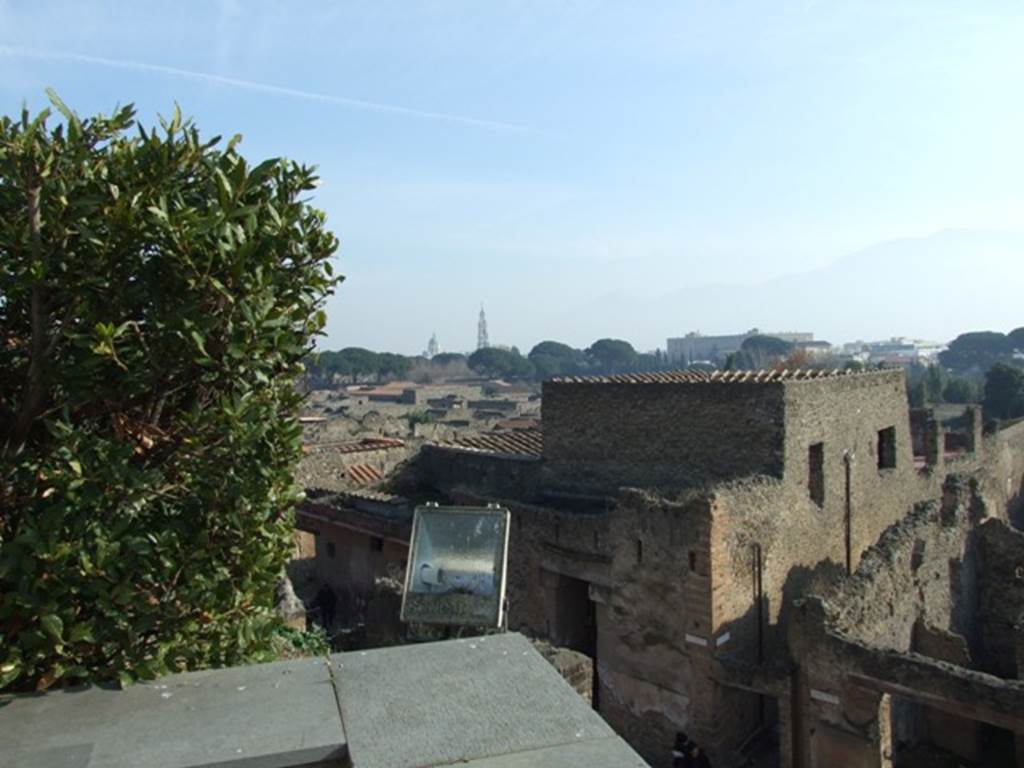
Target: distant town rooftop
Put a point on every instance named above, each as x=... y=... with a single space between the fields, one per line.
x=704 y=377
x=525 y=443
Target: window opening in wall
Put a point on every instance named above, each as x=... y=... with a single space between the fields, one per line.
x=887 y=448
x=639 y=551
x=693 y=561
x=816 y=473
x=330 y=549
x=377 y=544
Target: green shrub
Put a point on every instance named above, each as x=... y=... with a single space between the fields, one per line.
x=157 y=294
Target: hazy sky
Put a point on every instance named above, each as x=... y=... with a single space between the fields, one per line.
x=546 y=157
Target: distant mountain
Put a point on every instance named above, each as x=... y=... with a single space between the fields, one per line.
x=934 y=287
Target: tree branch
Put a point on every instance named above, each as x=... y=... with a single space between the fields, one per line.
x=34 y=393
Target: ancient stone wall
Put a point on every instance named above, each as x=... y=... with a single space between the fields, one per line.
x=599 y=437
x=498 y=477
x=350 y=561
x=326 y=467
x=654 y=648
x=576 y=668
x=1001 y=597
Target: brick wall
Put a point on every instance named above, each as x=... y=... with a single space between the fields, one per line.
x=654 y=649
x=498 y=477
x=599 y=436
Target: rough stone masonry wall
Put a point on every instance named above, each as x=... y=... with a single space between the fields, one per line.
x=654 y=653
x=799 y=541
x=599 y=437
x=324 y=467
x=576 y=668
x=499 y=477
x=847 y=414
x=1001 y=597
x=946 y=570
x=923 y=569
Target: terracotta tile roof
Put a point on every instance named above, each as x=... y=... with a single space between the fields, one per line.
x=355 y=446
x=700 y=377
x=526 y=443
x=519 y=423
x=363 y=474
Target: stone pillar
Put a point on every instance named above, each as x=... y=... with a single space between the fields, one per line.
x=934 y=442
x=871 y=712
x=975 y=425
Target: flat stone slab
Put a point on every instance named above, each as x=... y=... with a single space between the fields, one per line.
x=489 y=701
x=596 y=753
x=485 y=702
x=259 y=716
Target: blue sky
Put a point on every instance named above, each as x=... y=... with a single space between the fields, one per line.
x=549 y=158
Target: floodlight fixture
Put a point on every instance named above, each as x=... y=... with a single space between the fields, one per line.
x=458 y=558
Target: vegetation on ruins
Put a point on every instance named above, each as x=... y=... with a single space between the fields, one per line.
x=157 y=296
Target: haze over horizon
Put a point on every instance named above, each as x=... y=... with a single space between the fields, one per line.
x=588 y=169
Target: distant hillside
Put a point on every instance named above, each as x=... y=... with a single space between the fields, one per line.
x=934 y=287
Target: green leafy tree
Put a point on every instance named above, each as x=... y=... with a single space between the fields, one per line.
x=977 y=351
x=356 y=362
x=502 y=363
x=552 y=358
x=612 y=355
x=157 y=296
x=1004 y=392
x=762 y=352
x=935 y=380
x=1016 y=337
x=448 y=358
x=917 y=393
x=392 y=366
x=962 y=389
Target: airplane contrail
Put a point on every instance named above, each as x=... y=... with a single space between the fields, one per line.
x=251 y=85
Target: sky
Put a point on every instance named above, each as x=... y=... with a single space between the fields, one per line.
x=550 y=160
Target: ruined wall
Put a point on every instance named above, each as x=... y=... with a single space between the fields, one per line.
x=1001 y=471
x=326 y=467
x=576 y=668
x=654 y=648
x=846 y=415
x=923 y=568
x=599 y=437
x=498 y=477
x=1001 y=597
x=774 y=533
x=358 y=559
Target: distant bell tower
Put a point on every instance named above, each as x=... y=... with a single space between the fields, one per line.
x=481 y=330
x=433 y=347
